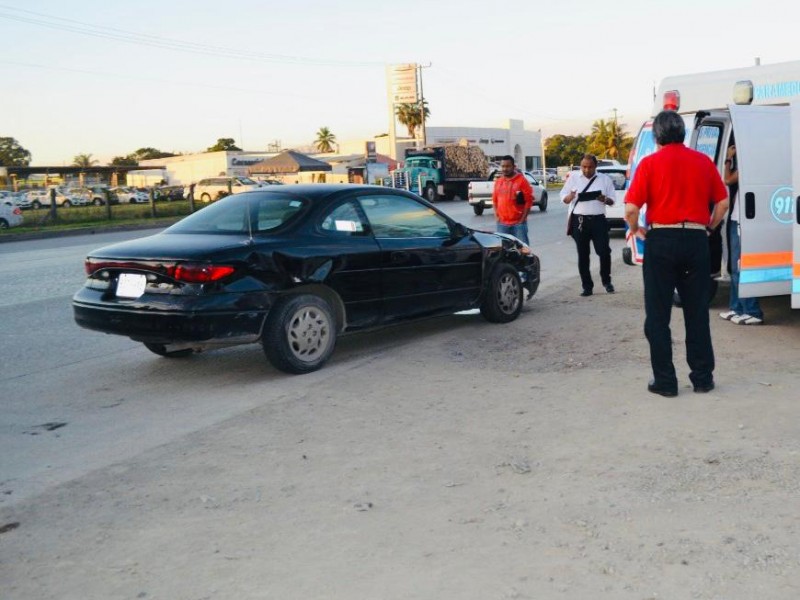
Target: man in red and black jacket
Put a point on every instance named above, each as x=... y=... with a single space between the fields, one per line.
x=677 y=184
x=512 y=198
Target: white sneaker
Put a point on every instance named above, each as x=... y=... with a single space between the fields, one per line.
x=728 y=315
x=746 y=320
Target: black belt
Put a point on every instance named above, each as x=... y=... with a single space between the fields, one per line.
x=588 y=216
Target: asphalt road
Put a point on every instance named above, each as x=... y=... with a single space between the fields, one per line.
x=75 y=400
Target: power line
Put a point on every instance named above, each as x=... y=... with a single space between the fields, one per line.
x=122 y=35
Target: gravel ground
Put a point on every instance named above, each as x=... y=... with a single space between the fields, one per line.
x=469 y=461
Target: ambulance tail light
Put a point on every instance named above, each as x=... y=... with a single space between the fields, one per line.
x=743 y=92
x=672 y=100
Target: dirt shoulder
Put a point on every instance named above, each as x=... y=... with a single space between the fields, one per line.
x=469 y=461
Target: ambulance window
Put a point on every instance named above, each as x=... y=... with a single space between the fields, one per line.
x=708 y=141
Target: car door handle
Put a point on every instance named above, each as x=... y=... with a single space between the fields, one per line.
x=399 y=256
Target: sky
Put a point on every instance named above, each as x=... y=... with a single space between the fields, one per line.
x=106 y=78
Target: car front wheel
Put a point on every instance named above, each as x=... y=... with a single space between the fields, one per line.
x=503 y=301
x=300 y=334
x=543 y=202
x=430 y=193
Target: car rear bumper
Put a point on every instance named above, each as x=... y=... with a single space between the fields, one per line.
x=211 y=320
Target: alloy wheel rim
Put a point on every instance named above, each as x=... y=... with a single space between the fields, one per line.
x=508 y=294
x=309 y=333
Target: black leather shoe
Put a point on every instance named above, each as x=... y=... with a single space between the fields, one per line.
x=610 y=288
x=586 y=293
x=704 y=388
x=654 y=389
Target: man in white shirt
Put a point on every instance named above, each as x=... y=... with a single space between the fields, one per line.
x=588 y=193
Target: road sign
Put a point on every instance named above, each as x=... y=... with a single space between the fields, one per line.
x=403 y=83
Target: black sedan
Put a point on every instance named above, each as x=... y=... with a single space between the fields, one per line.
x=294 y=267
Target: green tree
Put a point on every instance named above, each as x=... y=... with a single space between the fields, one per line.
x=123 y=161
x=149 y=154
x=609 y=140
x=12 y=154
x=224 y=144
x=565 y=150
x=410 y=116
x=325 y=140
x=83 y=160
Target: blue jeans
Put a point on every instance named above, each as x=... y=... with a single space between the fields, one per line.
x=519 y=231
x=741 y=306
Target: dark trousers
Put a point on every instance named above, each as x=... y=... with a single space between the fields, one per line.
x=677 y=259
x=594 y=229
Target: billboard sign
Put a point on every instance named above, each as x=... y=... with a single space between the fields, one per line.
x=403 y=83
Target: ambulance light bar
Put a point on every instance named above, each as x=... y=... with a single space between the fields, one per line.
x=743 y=92
x=672 y=100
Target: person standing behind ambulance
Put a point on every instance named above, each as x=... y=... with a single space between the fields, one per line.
x=742 y=311
x=586 y=220
x=677 y=184
x=512 y=197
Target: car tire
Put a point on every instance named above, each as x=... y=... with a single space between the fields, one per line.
x=477 y=209
x=161 y=350
x=543 y=202
x=97 y=202
x=627 y=256
x=205 y=197
x=3 y=224
x=66 y=204
x=299 y=334
x=503 y=301
x=36 y=204
x=132 y=201
x=430 y=193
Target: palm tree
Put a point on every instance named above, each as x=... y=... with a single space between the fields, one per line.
x=83 y=160
x=325 y=140
x=409 y=115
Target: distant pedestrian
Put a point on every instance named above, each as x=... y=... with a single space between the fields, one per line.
x=588 y=193
x=512 y=197
x=742 y=311
x=677 y=184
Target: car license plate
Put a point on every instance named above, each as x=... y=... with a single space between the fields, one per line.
x=130 y=285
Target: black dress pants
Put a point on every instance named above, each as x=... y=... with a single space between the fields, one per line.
x=677 y=259
x=594 y=229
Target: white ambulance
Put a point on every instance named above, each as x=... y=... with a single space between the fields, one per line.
x=759 y=107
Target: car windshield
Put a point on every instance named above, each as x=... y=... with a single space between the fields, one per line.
x=246 y=181
x=241 y=213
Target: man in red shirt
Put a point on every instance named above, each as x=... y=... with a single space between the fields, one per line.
x=512 y=197
x=677 y=184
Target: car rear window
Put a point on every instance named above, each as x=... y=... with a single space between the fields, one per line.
x=241 y=213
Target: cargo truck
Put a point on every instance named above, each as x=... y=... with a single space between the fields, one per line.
x=441 y=171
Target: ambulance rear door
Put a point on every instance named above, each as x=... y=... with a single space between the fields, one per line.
x=763 y=149
x=795 y=111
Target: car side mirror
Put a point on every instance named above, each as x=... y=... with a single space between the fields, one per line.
x=459 y=231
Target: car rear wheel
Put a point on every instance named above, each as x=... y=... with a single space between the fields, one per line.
x=477 y=209
x=543 y=202
x=3 y=224
x=430 y=193
x=66 y=204
x=36 y=204
x=97 y=202
x=300 y=334
x=503 y=301
x=205 y=197
x=161 y=350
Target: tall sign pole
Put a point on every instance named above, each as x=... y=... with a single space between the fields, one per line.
x=422 y=105
x=402 y=89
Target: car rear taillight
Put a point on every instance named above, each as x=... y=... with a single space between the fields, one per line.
x=200 y=273
x=17 y=211
x=186 y=272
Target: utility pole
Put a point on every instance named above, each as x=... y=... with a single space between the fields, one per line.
x=422 y=104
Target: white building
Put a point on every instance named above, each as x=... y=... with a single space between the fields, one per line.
x=191 y=168
x=514 y=140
